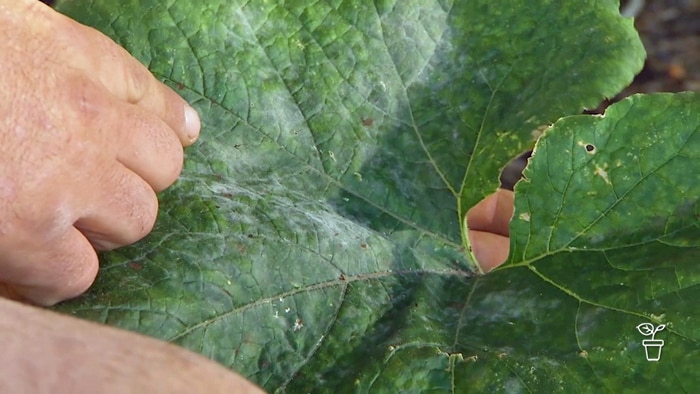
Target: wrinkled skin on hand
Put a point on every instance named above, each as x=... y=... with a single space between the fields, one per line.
x=87 y=137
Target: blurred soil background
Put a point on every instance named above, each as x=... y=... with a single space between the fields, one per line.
x=670 y=30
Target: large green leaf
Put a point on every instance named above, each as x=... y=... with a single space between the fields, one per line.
x=315 y=240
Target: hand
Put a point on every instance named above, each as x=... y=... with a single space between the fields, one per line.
x=488 y=222
x=87 y=136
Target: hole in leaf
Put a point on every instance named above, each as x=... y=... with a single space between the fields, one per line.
x=590 y=148
x=513 y=171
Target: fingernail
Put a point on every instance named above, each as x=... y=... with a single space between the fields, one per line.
x=192 y=123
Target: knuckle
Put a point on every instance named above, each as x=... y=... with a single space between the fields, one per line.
x=46 y=218
x=137 y=79
x=121 y=73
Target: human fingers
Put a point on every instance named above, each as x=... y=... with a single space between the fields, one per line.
x=109 y=204
x=490 y=250
x=146 y=145
x=47 y=271
x=123 y=210
x=83 y=150
x=123 y=76
x=131 y=81
x=139 y=155
x=488 y=229
x=493 y=213
x=121 y=133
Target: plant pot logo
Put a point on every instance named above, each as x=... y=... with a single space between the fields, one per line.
x=652 y=347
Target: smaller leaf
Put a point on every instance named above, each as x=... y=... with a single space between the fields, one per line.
x=660 y=327
x=646 y=329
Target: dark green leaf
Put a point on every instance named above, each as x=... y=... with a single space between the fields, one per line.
x=315 y=240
